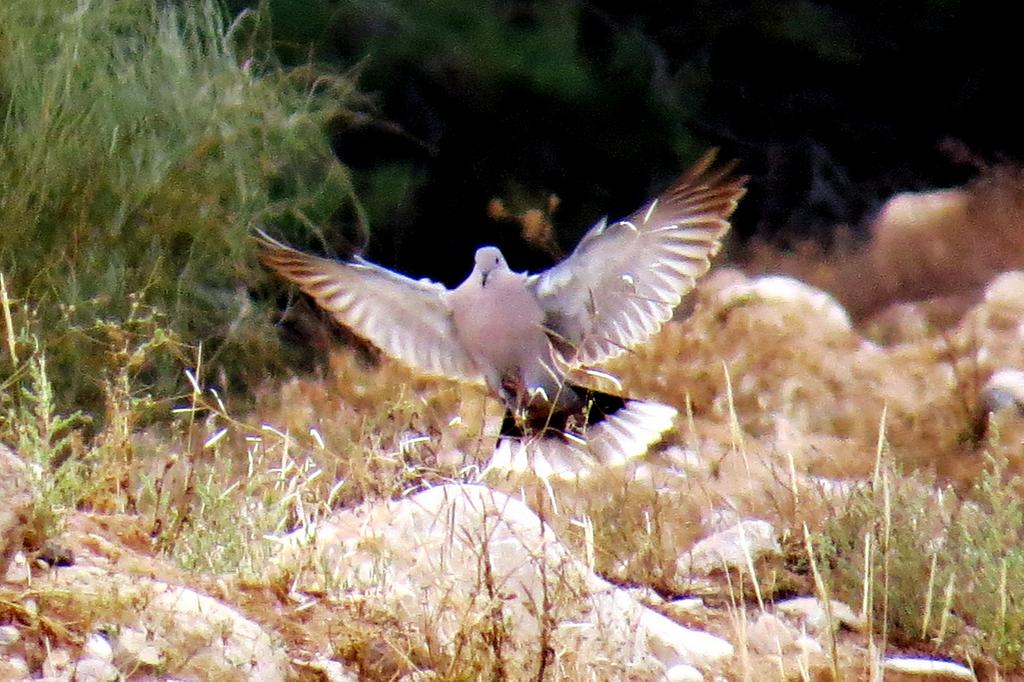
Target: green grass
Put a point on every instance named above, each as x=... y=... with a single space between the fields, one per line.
x=37 y=431
x=944 y=572
x=139 y=143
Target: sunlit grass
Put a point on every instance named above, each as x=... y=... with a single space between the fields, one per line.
x=213 y=488
x=936 y=569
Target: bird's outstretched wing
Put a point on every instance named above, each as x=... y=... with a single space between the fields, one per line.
x=623 y=280
x=409 y=320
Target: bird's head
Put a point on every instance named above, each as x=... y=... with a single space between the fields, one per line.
x=489 y=259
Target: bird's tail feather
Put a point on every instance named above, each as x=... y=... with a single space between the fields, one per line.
x=609 y=431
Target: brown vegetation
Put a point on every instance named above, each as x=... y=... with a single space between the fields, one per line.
x=940 y=247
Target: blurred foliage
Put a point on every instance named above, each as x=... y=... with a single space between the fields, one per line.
x=140 y=143
x=514 y=100
x=830 y=107
x=484 y=45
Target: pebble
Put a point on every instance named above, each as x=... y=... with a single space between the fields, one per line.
x=97 y=646
x=683 y=673
x=95 y=670
x=928 y=667
x=9 y=634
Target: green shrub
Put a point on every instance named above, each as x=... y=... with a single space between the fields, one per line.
x=138 y=147
x=945 y=572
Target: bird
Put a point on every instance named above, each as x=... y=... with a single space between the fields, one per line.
x=533 y=339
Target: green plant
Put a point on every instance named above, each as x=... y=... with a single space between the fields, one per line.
x=934 y=569
x=76 y=463
x=30 y=421
x=138 y=145
x=45 y=438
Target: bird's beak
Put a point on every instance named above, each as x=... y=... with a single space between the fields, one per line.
x=483 y=278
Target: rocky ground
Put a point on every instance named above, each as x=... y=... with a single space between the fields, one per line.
x=809 y=518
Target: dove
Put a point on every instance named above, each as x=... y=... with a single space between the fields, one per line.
x=531 y=339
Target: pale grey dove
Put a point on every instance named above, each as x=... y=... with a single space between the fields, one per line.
x=523 y=335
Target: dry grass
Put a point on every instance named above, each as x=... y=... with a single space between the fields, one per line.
x=205 y=490
x=866 y=458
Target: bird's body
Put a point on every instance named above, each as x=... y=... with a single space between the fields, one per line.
x=523 y=335
x=508 y=369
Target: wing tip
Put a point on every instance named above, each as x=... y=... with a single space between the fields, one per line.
x=277 y=255
x=623 y=436
x=714 y=182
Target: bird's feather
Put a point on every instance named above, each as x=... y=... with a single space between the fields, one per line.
x=410 y=320
x=624 y=279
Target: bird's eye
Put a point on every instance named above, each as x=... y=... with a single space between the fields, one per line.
x=495 y=261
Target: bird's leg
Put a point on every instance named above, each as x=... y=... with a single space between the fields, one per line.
x=576 y=423
x=511 y=393
x=509 y=389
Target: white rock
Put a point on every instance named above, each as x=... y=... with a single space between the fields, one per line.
x=1003 y=390
x=452 y=458
x=56 y=664
x=18 y=570
x=686 y=607
x=831 y=488
x=641 y=472
x=231 y=640
x=95 y=670
x=14 y=667
x=644 y=595
x=9 y=634
x=811 y=612
x=789 y=291
x=130 y=640
x=429 y=559
x=221 y=643
x=136 y=647
x=674 y=644
x=150 y=655
x=807 y=645
x=683 y=673
x=1004 y=300
x=927 y=667
x=97 y=646
x=770 y=635
x=720 y=520
x=332 y=671
x=730 y=549
x=683 y=459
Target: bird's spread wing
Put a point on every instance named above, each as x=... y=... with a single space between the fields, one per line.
x=408 y=319
x=623 y=280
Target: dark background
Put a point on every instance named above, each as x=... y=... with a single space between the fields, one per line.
x=829 y=107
